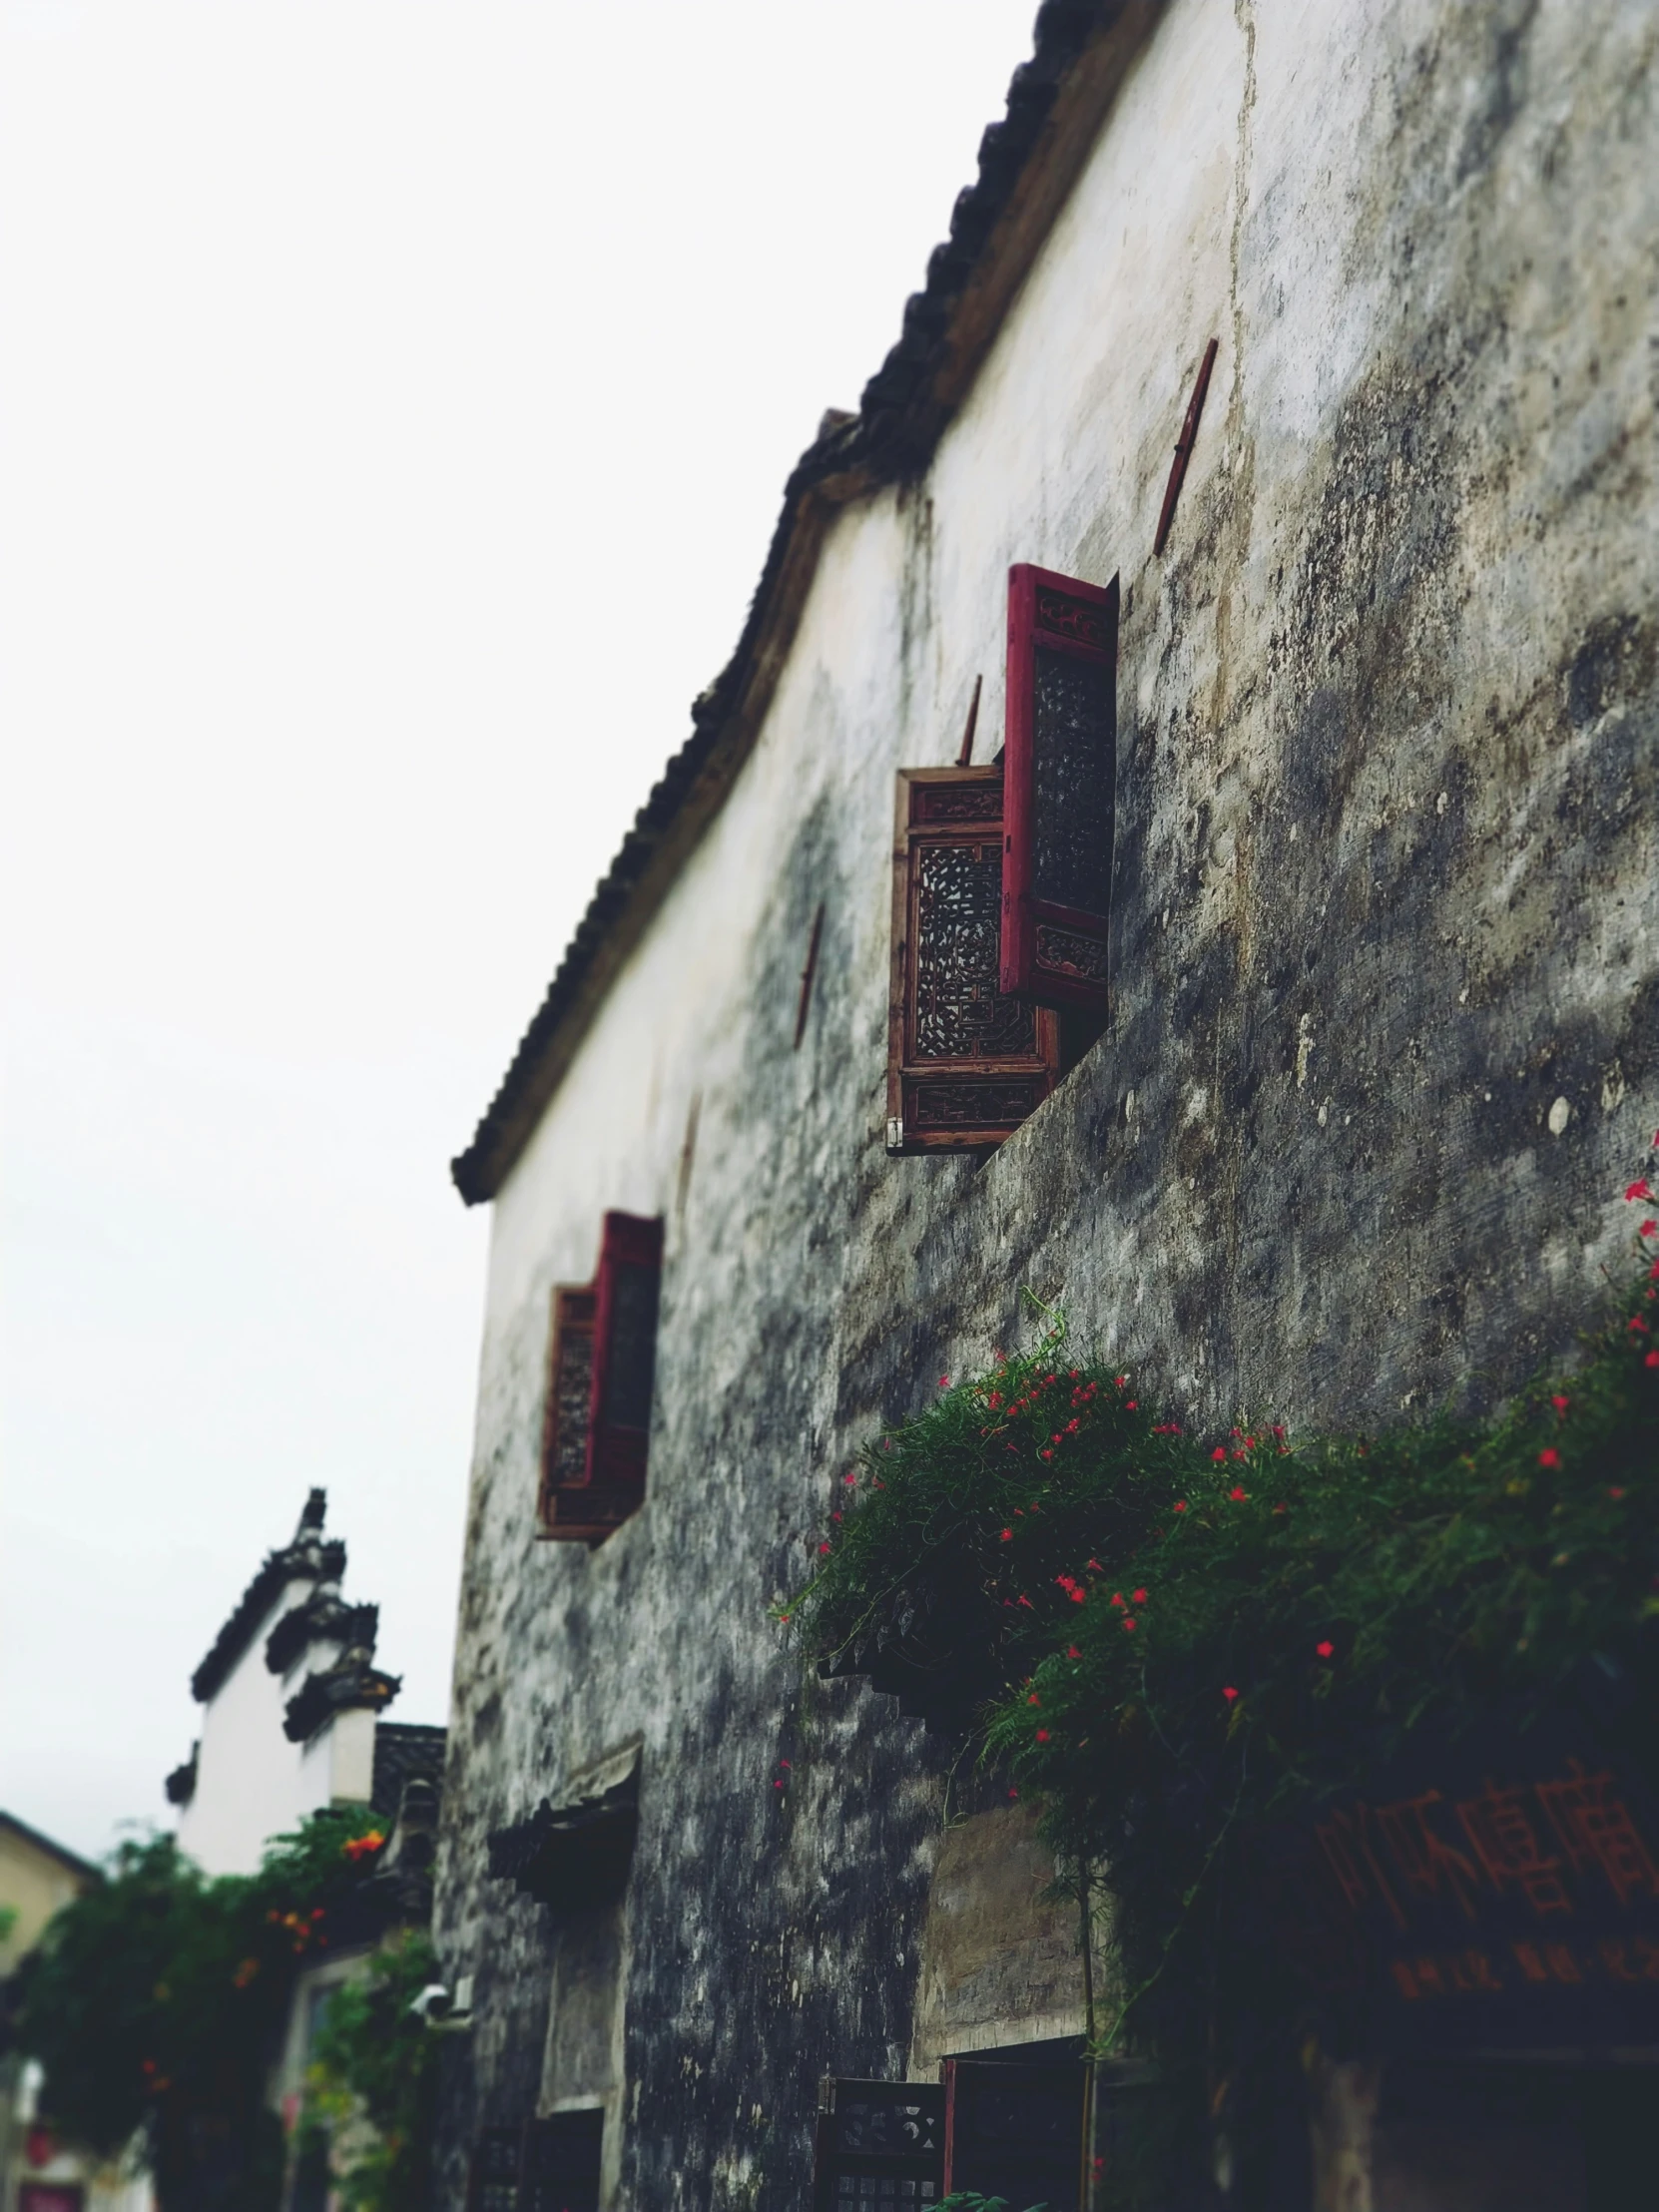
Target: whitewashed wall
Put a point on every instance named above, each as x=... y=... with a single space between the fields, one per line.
x=1385 y=982
x=253 y=1784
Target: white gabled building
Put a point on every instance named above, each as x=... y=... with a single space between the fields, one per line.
x=291 y=1699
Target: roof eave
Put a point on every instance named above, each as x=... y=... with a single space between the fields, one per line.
x=1028 y=162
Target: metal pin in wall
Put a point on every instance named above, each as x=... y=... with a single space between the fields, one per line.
x=964 y=758
x=806 y=974
x=1183 y=446
x=688 y=1153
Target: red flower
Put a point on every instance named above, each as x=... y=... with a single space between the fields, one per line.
x=777 y=1785
x=1180 y=1506
x=834 y=1516
x=1140 y=1597
x=1237 y=1493
x=1033 y=1699
x=1281 y=1507
x=1117 y=1597
x=1042 y=1735
x=1550 y=1459
x=1647 y=1229
x=1229 y=1693
x=1014 y=1793
x=822 y=1549
x=1615 y=1490
x=1326 y=1649
x=944 y=1381
x=1026 y=1602
x=1220 y=1453
x=1047 y=1454
x=1077 y=1594
x=1072 y=1652
x=1131 y=1406
x=1095 y=1564
x=1560 y=1405
x=1639 y=1189
x=852 y=1478
x=1652 y=1360
x=1279 y=1432
x=1007 y=1536
x=1129 y=1628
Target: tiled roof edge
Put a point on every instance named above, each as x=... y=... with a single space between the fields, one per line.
x=1028 y=162
x=309 y=1555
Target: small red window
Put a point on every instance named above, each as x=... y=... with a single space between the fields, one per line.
x=1060 y=762
x=601 y=1369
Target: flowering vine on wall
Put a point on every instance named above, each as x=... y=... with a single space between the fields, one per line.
x=1166 y=1638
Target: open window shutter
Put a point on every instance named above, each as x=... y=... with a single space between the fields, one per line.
x=880 y=2144
x=600 y=1374
x=1060 y=760
x=965 y=1063
x=1016 y=2131
x=624 y=1350
x=562 y=2163
x=564 y=1455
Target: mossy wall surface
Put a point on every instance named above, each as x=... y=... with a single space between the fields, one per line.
x=1385 y=958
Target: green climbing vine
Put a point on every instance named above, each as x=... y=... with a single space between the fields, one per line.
x=157 y=1998
x=1177 y=1636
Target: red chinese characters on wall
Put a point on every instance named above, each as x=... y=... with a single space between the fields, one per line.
x=1505 y=1889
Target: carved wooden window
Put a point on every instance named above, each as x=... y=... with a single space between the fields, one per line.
x=564 y=1457
x=881 y=2145
x=1060 y=760
x=966 y=1062
x=1015 y=2132
x=601 y=1367
x=562 y=2163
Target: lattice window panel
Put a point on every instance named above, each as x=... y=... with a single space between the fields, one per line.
x=966 y=1061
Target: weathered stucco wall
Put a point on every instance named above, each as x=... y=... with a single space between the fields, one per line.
x=1384 y=1038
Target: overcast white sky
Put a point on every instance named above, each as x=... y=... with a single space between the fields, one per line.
x=395 y=401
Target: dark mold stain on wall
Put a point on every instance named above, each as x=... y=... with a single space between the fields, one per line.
x=1385 y=904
